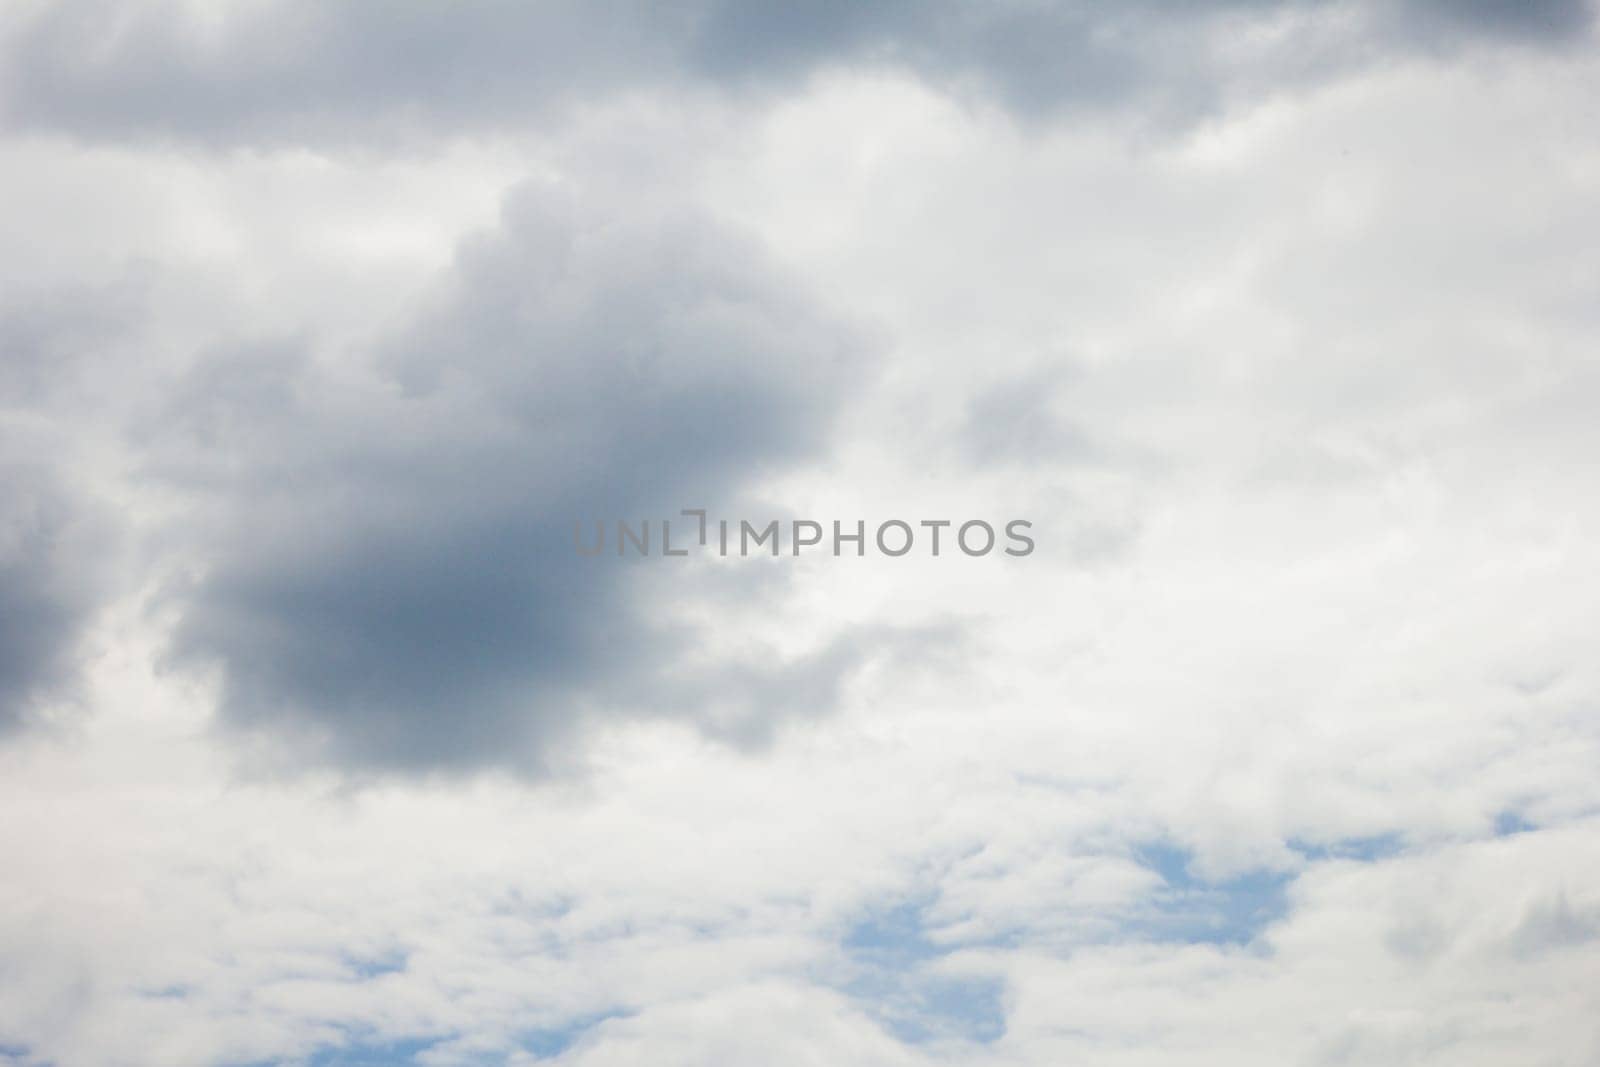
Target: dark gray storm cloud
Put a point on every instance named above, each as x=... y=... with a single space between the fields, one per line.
x=1549 y=20
x=384 y=569
x=52 y=548
x=304 y=70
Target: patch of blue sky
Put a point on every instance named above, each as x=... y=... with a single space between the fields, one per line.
x=894 y=936
x=549 y=1042
x=365 y=967
x=373 y=1054
x=1368 y=849
x=542 y=1043
x=894 y=980
x=1509 y=823
x=358 y=1052
x=1195 y=910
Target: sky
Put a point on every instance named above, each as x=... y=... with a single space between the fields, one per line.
x=325 y=328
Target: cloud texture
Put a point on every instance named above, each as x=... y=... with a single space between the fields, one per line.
x=323 y=324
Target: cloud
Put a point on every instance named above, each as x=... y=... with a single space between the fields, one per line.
x=1535 y=20
x=57 y=540
x=294 y=71
x=50 y=334
x=388 y=575
x=1015 y=421
x=1303 y=770
x=798 y=1025
x=52 y=547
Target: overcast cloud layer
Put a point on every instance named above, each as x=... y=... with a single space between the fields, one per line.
x=291 y=70
x=322 y=324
